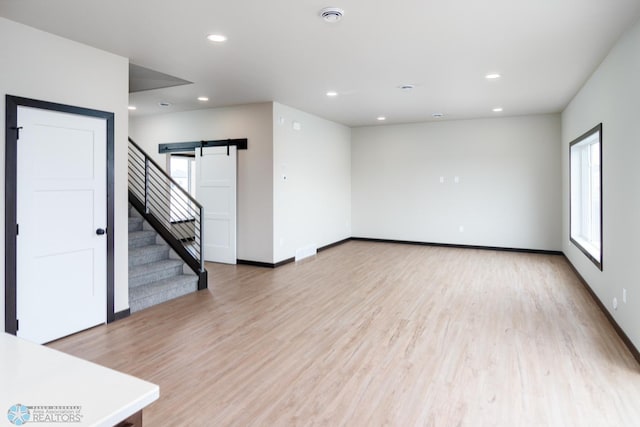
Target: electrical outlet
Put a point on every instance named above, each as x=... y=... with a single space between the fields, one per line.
x=442 y=180
x=624 y=295
x=461 y=228
x=615 y=303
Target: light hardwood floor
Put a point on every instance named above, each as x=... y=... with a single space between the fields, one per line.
x=370 y=334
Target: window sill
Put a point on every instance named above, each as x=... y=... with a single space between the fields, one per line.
x=592 y=252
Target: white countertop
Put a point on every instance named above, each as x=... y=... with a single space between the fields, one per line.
x=34 y=375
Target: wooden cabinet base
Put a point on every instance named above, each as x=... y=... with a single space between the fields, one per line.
x=134 y=420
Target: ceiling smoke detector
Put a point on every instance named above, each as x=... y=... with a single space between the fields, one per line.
x=332 y=14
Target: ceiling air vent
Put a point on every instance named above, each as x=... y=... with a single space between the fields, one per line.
x=332 y=14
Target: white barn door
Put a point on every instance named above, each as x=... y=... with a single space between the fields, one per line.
x=216 y=190
x=61 y=269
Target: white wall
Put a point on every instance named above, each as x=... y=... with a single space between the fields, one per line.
x=42 y=66
x=611 y=97
x=255 y=165
x=312 y=206
x=508 y=193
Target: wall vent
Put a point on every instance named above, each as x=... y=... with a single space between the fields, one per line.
x=306 y=251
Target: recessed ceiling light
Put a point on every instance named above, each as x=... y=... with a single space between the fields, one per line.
x=203 y=98
x=218 y=38
x=381 y=118
x=332 y=93
x=164 y=104
x=438 y=115
x=497 y=110
x=492 y=76
x=332 y=14
x=132 y=107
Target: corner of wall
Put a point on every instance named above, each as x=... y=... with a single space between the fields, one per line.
x=311 y=182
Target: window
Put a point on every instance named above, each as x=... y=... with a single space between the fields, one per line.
x=586 y=194
x=183 y=171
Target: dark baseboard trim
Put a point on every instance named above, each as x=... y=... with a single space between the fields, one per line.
x=288 y=260
x=284 y=262
x=623 y=336
x=255 y=263
x=263 y=264
x=452 y=245
x=122 y=314
x=405 y=242
x=334 y=244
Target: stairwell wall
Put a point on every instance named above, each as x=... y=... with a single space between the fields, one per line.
x=255 y=165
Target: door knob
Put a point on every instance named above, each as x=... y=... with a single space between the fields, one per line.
x=100 y=231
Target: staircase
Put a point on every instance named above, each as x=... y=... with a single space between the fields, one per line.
x=156 y=274
x=165 y=235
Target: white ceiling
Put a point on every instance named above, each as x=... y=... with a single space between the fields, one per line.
x=280 y=50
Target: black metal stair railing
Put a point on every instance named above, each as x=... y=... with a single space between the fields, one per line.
x=168 y=208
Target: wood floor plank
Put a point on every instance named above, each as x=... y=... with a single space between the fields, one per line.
x=379 y=334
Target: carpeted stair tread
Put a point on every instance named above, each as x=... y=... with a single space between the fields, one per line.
x=146 y=254
x=153 y=271
x=154 y=277
x=141 y=238
x=135 y=224
x=160 y=291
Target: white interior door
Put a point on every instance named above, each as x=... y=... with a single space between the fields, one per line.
x=61 y=269
x=216 y=190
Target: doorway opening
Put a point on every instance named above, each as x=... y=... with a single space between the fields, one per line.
x=182 y=168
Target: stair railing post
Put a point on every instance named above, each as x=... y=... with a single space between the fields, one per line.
x=201 y=241
x=147 y=184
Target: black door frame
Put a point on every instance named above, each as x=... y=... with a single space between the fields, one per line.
x=10 y=199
